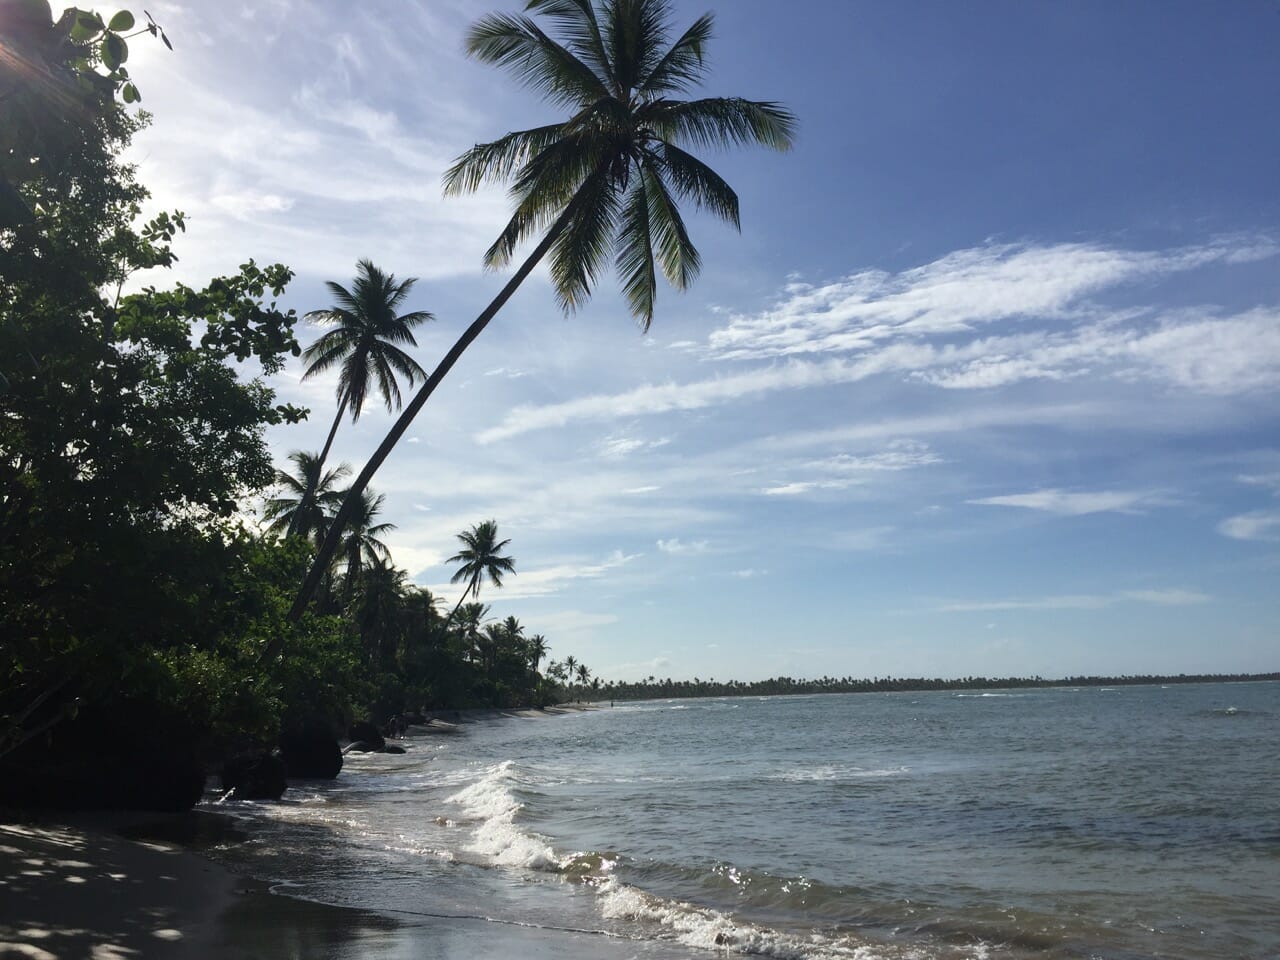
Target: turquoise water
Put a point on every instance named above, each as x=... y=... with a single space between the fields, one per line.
x=1111 y=823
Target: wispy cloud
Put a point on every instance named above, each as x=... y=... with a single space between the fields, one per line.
x=1083 y=601
x=955 y=294
x=1076 y=504
x=679 y=547
x=923 y=325
x=1258 y=525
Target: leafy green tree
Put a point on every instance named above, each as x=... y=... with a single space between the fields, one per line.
x=480 y=558
x=131 y=431
x=605 y=182
x=54 y=91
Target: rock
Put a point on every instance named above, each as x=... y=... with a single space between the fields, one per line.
x=392 y=748
x=254 y=776
x=311 y=753
x=365 y=732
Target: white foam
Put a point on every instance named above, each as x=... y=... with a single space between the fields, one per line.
x=497 y=837
x=708 y=929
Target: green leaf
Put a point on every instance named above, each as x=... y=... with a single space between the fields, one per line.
x=121 y=21
x=114 y=51
x=85 y=27
x=130 y=93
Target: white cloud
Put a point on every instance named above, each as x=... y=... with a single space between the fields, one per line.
x=1084 y=601
x=617 y=447
x=1258 y=525
x=1168 y=598
x=954 y=294
x=1076 y=504
x=246 y=204
x=1270 y=481
x=748 y=574
x=678 y=547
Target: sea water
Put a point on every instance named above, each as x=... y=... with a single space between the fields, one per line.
x=1113 y=823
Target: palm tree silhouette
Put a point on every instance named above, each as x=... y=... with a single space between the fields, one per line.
x=361 y=544
x=481 y=557
x=287 y=513
x=604 y=181
x=362 y=343
x=538 y=648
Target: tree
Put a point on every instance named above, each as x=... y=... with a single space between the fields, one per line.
x=481 y=557
x=360 y=544
x=604 y=181
x=362 y=345
x=538 y=648
x=131 y=430
x=286 y=510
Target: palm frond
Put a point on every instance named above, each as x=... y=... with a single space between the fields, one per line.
x=635 y=254
x=693 y=179
x=578 y=22
x=579 y=253
x=498 y=161
x=518 y=44
x=721 y=122
x=683 y=65
x=677 y=255
x=545 y=186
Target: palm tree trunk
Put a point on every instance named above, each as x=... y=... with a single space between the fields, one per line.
x=308 y=495
x=406 y=417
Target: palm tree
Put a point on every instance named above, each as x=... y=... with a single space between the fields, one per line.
x=606 y=179
x=286 y=511
x=361 y=544
x=481 y=557
x=538 y=648
x=362 y=343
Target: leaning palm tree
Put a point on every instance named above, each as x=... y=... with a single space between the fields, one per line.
x=362 y=343
x=292 y=511
x=481 y=557
x=605 y=181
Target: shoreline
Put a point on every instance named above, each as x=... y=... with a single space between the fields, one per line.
x=140 y=884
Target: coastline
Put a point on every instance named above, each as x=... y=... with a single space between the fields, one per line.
x=137 y=884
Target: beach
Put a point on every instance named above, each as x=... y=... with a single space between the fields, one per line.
x=1002 y=825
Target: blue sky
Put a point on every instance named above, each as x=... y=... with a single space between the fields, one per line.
x=986 y=385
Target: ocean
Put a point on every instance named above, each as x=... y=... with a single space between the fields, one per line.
x=1114 y=823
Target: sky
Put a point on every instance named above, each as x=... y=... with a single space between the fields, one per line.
x=986 y=384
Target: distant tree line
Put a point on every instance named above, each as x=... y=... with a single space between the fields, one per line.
x=651 y=688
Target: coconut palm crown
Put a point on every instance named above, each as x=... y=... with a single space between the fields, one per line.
x=480 y=557
x=308 y=498
x=363 y=340
x=618 y=165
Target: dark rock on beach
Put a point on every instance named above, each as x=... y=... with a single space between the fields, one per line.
x=254 y=776
x=311 y=753
x=365 y=733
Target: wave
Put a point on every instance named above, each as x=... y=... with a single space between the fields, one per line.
x=492 y=802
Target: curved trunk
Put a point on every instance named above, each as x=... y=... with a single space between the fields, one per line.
x=350 y=503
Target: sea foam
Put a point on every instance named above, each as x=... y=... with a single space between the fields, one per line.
x=492 y=802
